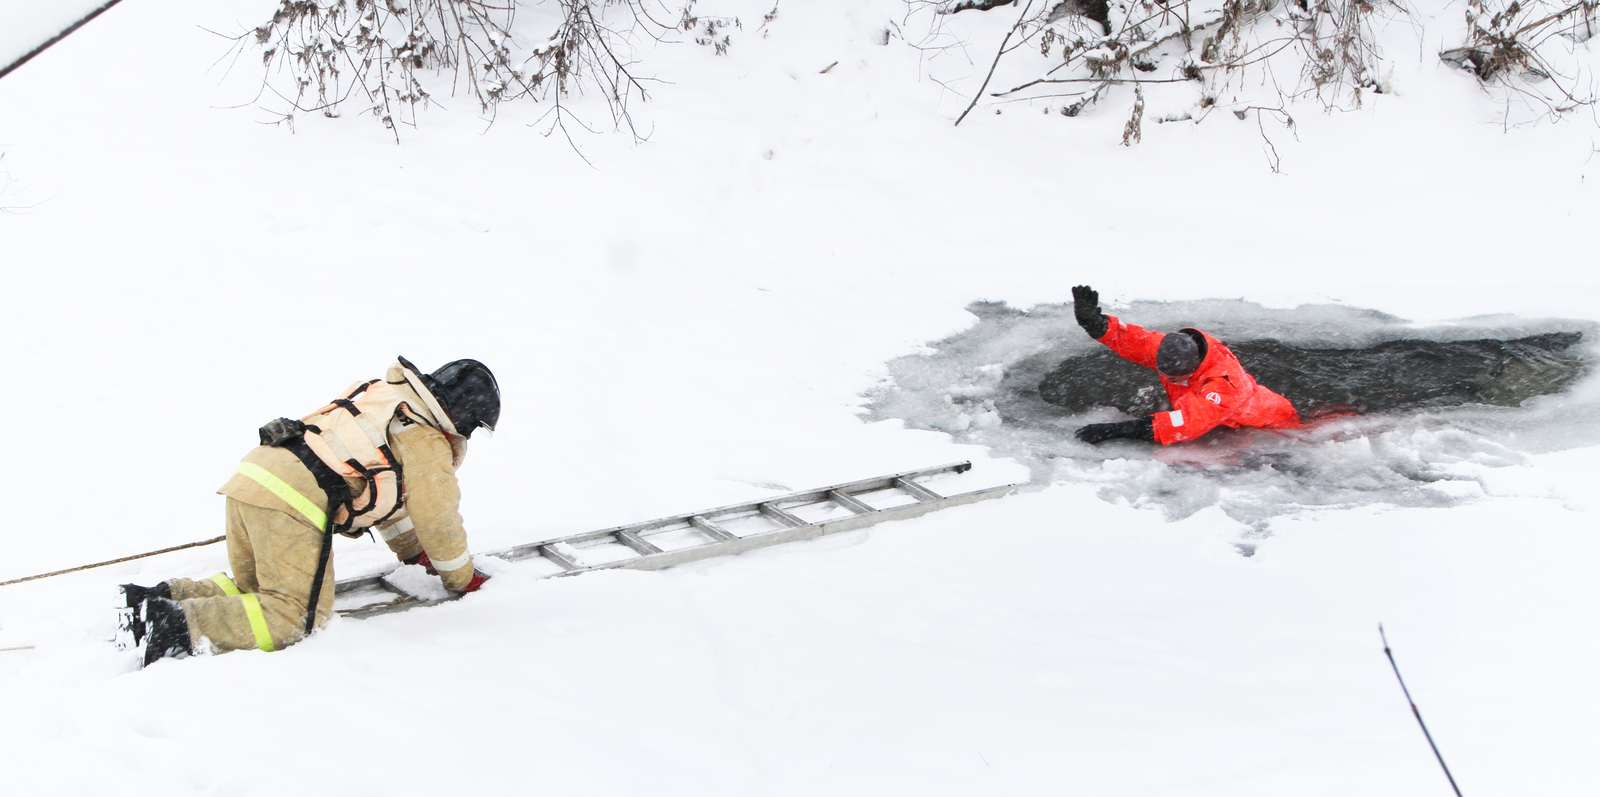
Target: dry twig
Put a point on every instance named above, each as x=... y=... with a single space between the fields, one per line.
x=388 y=57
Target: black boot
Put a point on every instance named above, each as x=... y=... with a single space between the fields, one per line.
x=131 y=620
x=166 y=631
x=134 y=594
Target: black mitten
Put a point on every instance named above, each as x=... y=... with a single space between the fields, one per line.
x=1086 y=307
x=1097 y=433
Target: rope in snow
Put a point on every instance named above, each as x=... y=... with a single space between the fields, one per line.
x=114 y=561
x=1415 y=712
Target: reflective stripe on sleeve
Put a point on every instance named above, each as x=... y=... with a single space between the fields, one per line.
x=447 y=565
x=1176 y=416
x=228 y=587
x=290 y=495
x=258 y=622
x=396 y=528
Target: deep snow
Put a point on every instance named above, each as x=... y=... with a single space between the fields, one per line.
x=694 y=321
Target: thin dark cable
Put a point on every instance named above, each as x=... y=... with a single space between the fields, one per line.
x=58 y=37
x=1415 y=712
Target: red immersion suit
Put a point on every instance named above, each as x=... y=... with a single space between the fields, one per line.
x=1218 y=393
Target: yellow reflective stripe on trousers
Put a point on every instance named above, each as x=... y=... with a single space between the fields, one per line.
x=290 y=495
x=258 y=622
x=226 y=583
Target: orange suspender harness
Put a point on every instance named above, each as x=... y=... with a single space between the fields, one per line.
x=351 y=442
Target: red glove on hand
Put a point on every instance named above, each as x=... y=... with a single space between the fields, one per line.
x=422 y=559
x=477 y=581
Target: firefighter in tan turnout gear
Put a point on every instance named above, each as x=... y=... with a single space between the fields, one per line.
x=381 y=457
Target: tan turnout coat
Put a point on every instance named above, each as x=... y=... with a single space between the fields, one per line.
x=273 y=548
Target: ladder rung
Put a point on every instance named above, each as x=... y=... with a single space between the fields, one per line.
x=917 y=491
x=781 y=516
x=567 y=563
x=849 y=502
x=715 y=531
x=640 y=545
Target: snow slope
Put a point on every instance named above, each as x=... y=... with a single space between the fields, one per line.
x=692 y=321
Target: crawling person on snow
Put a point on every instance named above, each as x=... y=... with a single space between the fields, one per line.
x=381 y=457
x=1204 y=381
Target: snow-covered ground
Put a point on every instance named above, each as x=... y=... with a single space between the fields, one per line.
x=697 y=320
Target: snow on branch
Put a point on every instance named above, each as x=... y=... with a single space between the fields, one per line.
x=1527 y=46
x=1181 y=59
x=387 y=57
x=1087 y=47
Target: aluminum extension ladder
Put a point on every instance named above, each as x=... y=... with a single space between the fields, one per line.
x=702 y=535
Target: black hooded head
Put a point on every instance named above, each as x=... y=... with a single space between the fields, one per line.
x=1180 y=353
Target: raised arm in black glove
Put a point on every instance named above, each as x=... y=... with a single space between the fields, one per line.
x=1097 y=433
x=1086 y=306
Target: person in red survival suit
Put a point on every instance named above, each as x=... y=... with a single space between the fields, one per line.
x=1204 y=380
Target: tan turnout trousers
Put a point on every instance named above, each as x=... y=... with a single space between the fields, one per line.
x=274 y=559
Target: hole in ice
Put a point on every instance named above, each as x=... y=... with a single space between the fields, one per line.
x=1436 y=410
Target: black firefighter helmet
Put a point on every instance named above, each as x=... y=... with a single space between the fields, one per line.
x=467 y=392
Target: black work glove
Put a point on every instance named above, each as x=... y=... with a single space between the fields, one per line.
x=1097 y=433
x=1086 y=306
